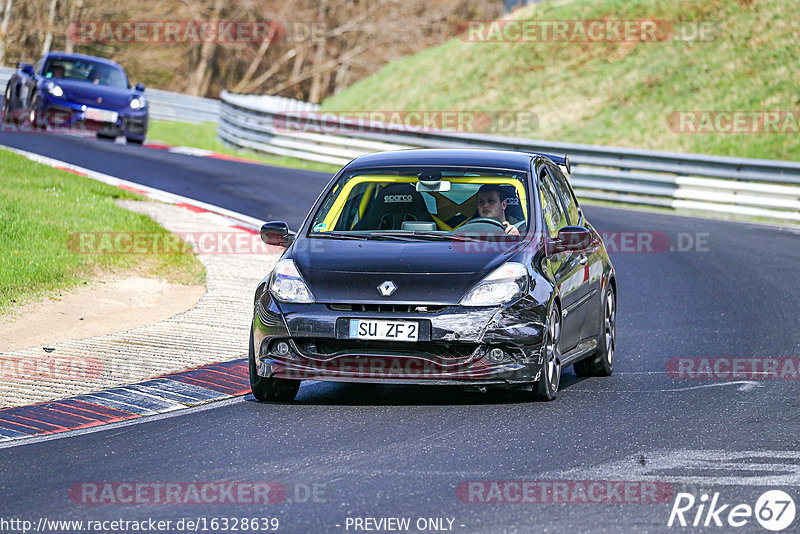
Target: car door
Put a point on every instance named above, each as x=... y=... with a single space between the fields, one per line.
x=590 y=258
x=564 y=267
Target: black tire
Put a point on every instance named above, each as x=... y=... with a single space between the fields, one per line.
x=134 y=141
x=35 y=117
x=7 y=111
x=547 y=386
x=269 y=389
x=106 y=137
x=602 y=362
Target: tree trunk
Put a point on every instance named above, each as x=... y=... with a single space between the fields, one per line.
x=3 y=30
x=51 y=17
x=262 y=49
x=199 y=83
x=316 y=82
x=74 y=14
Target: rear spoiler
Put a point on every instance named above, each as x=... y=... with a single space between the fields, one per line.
x=561 y=161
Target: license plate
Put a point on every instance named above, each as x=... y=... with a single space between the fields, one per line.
x=101 y=115
x=384 y=330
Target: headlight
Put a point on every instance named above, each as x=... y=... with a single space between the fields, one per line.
x=54 y=89
x=288 y=285
x=137 y=103
x=499 y=286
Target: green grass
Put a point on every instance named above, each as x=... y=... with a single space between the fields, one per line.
x=204 y=135
x=42 y=212
x=613 y=93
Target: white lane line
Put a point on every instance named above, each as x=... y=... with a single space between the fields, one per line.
x=744 y=385
x=697 y=466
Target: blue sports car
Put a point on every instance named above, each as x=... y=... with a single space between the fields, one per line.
x=75 y=91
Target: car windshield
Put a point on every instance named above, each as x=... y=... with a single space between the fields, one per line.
x=86 y=71
x=424 y=203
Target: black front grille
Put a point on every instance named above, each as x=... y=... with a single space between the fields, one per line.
x=396 y=308
x=433 y=350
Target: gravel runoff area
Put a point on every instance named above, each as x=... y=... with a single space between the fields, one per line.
x=214 y=330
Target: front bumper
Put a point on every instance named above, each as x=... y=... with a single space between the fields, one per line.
x=457 y=345
x=62 y=114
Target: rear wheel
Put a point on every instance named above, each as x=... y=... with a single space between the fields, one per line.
x=132 y=141
x=269 y=389
x=602 y=363
x=106 y=137
x=547 y=387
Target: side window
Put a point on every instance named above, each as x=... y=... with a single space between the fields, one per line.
x=567 y=195
x=554 y=216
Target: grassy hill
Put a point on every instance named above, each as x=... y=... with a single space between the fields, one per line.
x=614 y=93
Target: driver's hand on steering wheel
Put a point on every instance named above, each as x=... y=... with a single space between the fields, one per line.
x=510 y=228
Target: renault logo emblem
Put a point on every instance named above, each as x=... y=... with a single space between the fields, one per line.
x=387 y=288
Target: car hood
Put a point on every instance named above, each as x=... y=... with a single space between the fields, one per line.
x=88 y=94
x=424 y=272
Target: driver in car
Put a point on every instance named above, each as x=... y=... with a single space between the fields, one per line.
x=490 y=206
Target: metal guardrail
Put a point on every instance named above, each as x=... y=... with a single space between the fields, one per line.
x=758 y=188
x=164 y=105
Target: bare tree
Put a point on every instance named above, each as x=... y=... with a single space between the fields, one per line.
x=48 y=39
x=317 y=48
x=201 y=77
x=74 y=14
x=4 y=30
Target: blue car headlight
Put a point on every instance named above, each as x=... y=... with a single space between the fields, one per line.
x=54 y=89
x=138 y=102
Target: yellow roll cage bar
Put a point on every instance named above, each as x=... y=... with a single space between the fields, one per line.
x=335 y=211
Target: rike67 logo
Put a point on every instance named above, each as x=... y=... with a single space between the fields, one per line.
x=774 y=510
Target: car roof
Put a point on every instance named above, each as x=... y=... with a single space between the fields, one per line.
x=64 y=55
x=504 y=159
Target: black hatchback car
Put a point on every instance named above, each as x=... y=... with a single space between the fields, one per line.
x=451 y=267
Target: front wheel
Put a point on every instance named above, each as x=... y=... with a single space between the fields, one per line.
x=6 y=115
x=269 y=389
x=602 y=363
x=35 y=118
x=547 y=387
x=132 y=141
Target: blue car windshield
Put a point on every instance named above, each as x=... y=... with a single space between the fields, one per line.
x=86 y=71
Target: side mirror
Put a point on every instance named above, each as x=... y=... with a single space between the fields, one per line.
x=571 y=238
x=27 y=68
x=276 y=233
x=139 y=87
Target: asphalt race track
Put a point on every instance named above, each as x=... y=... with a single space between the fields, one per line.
x=391 y=451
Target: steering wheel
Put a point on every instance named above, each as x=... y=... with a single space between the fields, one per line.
x=488 y=220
